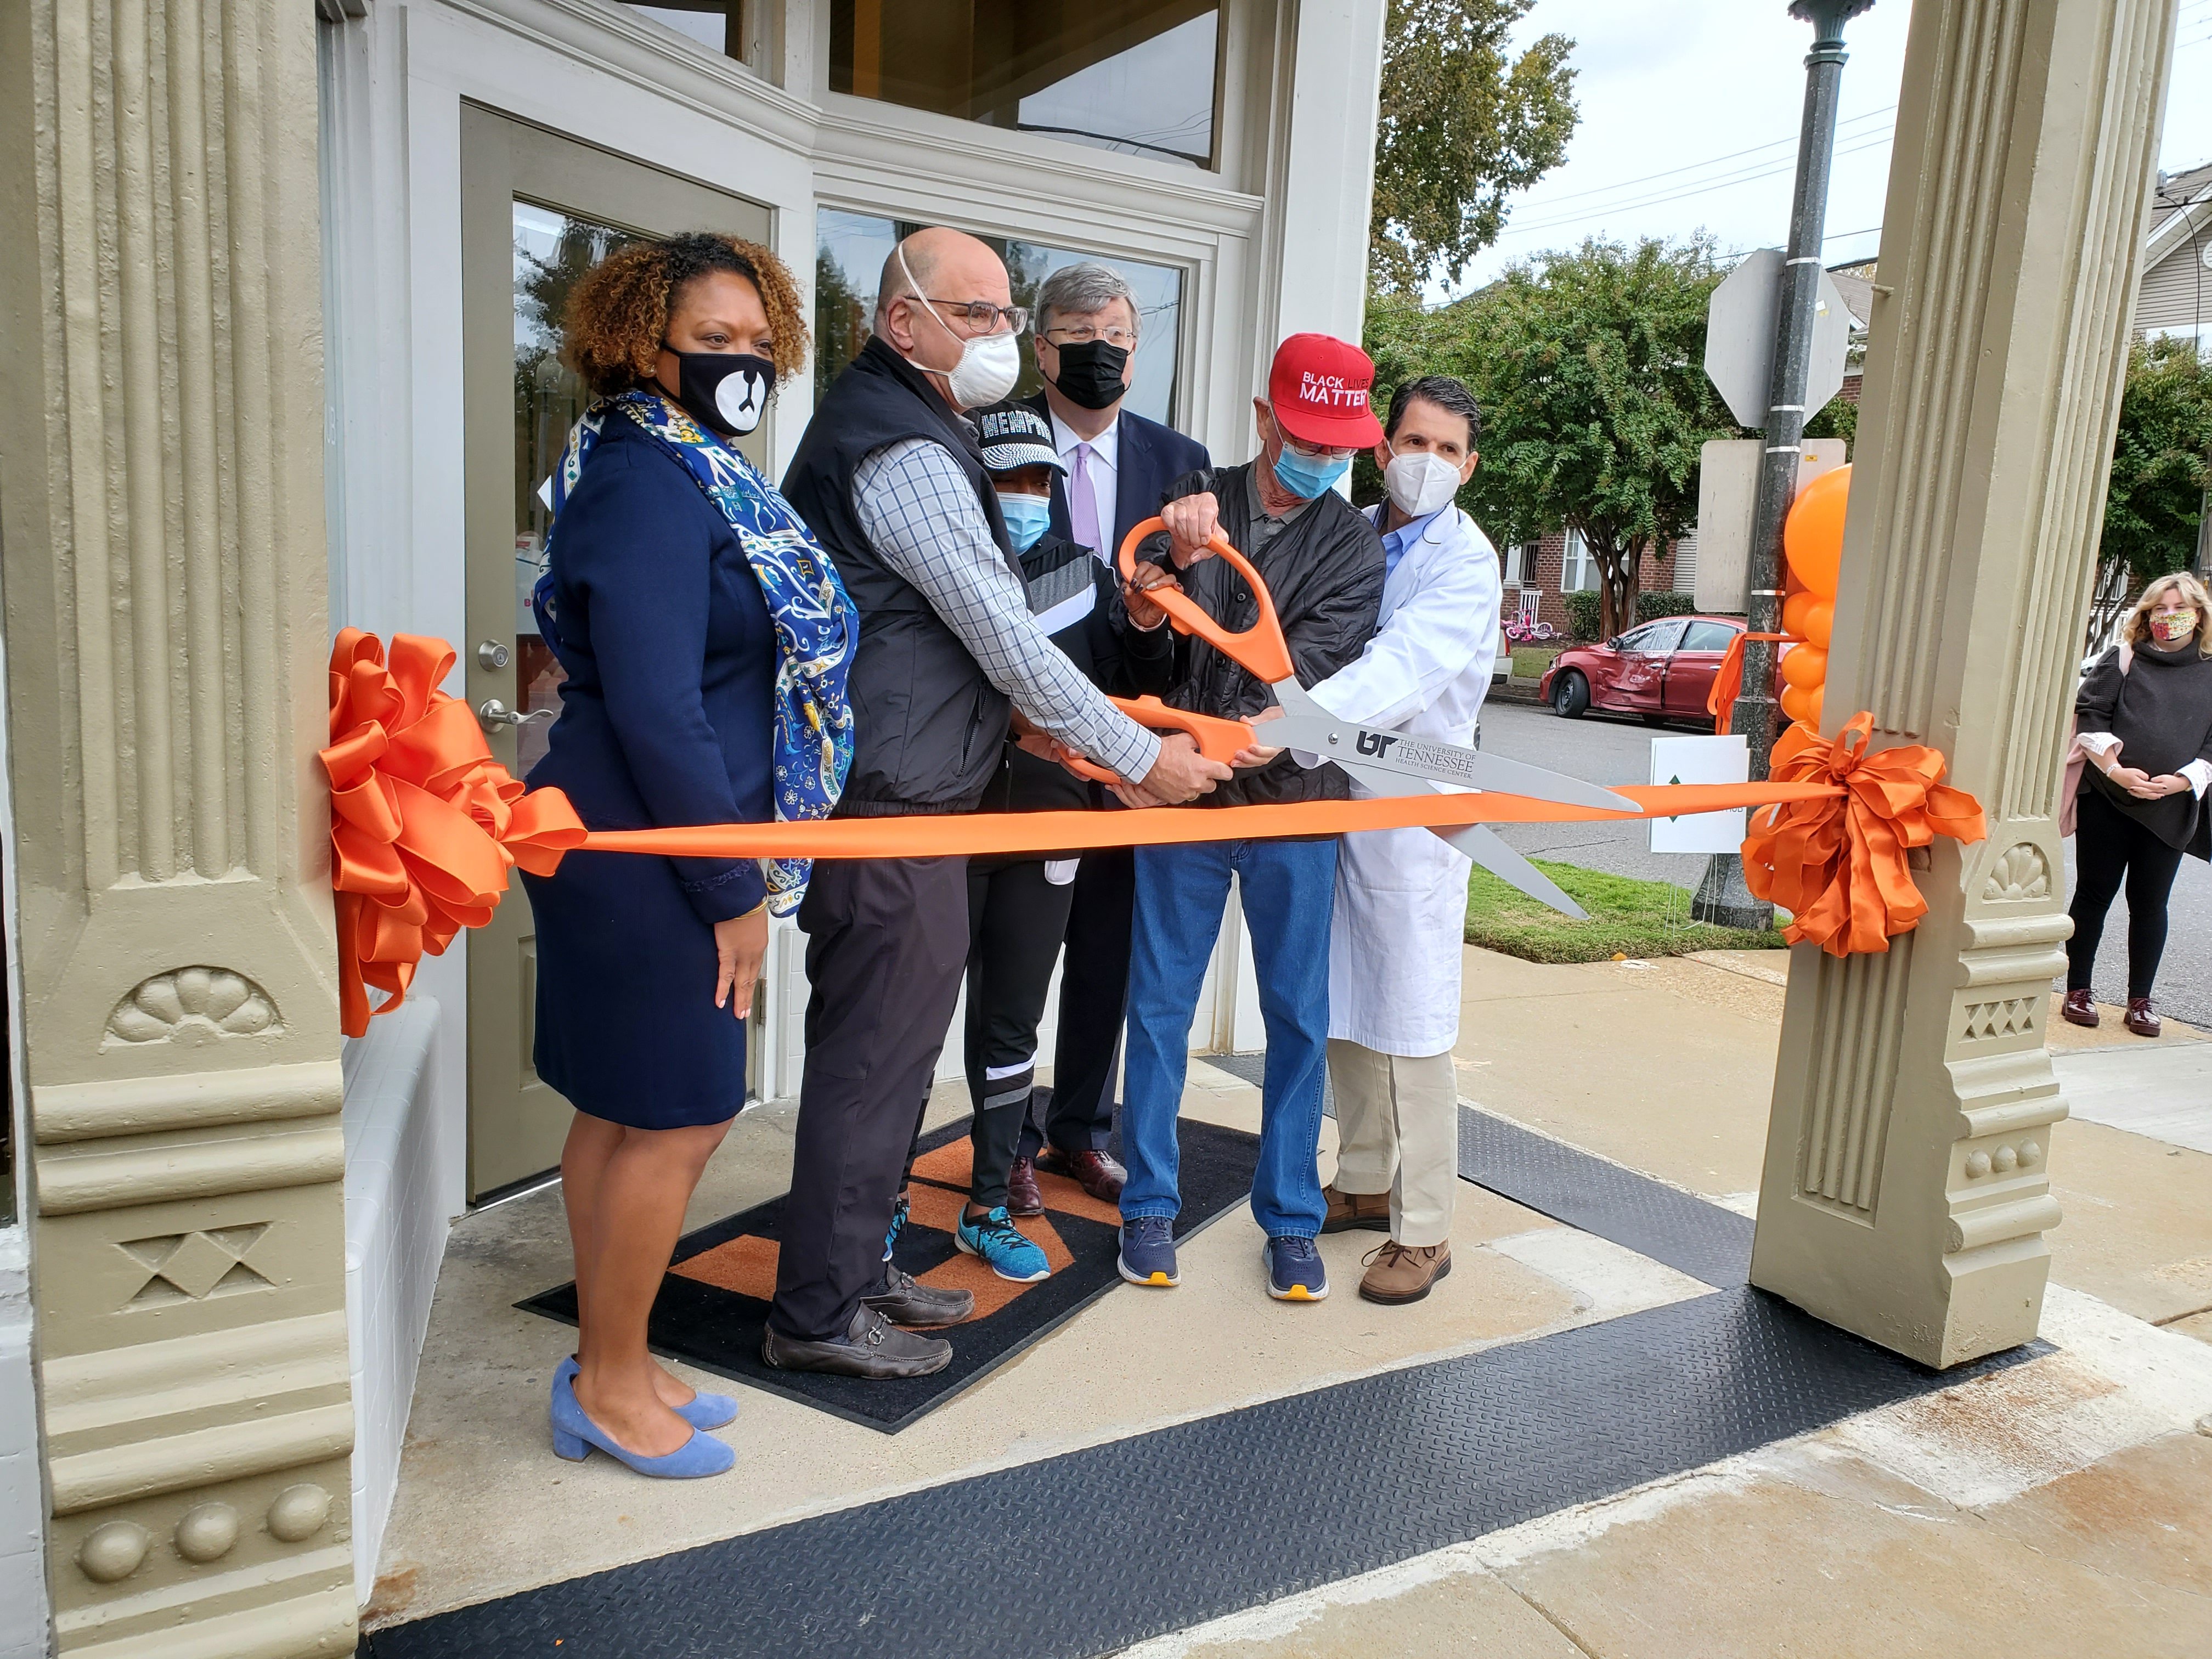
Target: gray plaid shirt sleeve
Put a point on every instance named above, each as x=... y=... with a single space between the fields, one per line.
x=917 y=510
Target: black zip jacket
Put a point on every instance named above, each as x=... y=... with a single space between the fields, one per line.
x=1324 y=571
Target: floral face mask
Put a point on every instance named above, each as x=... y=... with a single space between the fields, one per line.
x=2170 y=624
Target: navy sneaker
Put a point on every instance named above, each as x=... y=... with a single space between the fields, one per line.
x=1002 y=1248
x=1294 y=1270
x=1148 y=1251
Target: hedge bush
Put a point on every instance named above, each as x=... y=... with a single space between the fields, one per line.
x=1582 y=617
x=1651 y=606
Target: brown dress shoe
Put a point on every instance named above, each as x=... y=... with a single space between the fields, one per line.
x=1022 y=1197
x=2080 y=1008
x=1403 y=1273
x=1348 y=1210
x=1097 y=1174
x=2140 y=1020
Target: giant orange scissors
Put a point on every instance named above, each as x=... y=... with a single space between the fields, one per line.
x=1382 y=761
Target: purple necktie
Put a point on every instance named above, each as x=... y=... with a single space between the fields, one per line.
x=1082 y=504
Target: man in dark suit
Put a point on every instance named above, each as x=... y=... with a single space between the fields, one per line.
x=1119 y=467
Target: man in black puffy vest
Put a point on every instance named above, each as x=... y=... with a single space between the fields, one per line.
x=891 y=479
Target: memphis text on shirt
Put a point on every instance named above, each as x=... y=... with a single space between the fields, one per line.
x=1330 y=389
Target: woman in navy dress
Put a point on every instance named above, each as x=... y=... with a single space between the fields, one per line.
x=654 y=603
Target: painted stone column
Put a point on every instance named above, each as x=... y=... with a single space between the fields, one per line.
x=161 y=512
x=1905 y=1189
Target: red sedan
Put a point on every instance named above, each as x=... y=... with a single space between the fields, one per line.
x=1661 y=669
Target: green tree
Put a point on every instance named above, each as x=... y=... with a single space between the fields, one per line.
x=2161 y=462
x=1463 y=126
x=1589 y=368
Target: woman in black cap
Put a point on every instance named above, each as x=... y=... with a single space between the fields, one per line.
x=2144 y=714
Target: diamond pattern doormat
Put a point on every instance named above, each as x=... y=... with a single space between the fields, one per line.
x=714 y=1302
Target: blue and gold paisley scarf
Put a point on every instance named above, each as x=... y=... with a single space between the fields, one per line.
x=815 y=626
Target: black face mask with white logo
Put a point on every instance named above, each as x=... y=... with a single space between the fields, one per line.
x=1091 y=374
x=726 y=392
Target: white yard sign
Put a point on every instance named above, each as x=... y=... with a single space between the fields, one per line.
x=1699 y=760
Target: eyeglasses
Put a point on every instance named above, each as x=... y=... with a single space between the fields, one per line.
x=1315 y=452
x=1083 y=334
x=981 y=314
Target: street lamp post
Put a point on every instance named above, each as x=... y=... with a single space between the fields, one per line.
x=1722 y=898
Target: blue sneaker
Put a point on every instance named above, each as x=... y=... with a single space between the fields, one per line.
x=1148 y=1254
x=1003 y=1248
x=1294 y=1270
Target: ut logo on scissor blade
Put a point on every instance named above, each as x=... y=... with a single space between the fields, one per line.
x=1375 y=743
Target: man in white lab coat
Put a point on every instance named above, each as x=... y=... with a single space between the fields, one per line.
x=1394 y=943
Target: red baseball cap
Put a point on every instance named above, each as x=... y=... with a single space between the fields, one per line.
x=1318 y=389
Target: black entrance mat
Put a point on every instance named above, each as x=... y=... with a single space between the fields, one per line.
x=714 y=1302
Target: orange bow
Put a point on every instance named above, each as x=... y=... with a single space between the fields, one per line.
x=1837 y=863
x=424 y=823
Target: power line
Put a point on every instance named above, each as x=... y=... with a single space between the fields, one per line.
x=1867 y=141
x=1544 y=204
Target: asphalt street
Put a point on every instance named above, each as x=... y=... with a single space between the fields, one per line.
x=1601 y=749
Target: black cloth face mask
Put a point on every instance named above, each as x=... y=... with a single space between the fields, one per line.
x=1091 y=374
x=726 y=392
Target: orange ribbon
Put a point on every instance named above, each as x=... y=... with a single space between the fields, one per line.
x=1836 y=861
x=424 y=823
x=1727 y=679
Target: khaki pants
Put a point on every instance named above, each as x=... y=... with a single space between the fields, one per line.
x=1397 y=1126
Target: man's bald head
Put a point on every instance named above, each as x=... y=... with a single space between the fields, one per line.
x=945 y=264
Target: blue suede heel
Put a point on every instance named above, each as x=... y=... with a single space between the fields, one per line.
x=702 y=1411
x=574 y=1435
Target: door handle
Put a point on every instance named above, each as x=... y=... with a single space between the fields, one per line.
x=493 y=714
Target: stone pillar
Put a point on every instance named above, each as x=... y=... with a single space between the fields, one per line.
x=161 y=511
x=1906 y=1188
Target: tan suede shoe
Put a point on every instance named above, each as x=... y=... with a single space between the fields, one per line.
x=1350 y=1210
x=1400 y=1272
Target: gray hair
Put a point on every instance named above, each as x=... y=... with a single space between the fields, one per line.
x=1082 y=290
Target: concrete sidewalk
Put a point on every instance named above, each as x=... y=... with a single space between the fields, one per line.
x=2059 y=1506
x=2062 y=1507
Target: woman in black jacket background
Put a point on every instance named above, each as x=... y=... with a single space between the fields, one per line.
x=2144 y=716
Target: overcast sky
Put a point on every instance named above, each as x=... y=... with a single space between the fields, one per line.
x=1689 y=120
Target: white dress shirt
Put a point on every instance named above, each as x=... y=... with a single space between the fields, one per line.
x=1104 y=473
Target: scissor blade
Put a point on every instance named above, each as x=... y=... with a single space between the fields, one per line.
x=1442 y=763
x=1484 y=845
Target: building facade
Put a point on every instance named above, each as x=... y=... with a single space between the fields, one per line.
x=280 y=353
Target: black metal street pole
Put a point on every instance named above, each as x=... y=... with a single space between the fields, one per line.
x=1723 y=898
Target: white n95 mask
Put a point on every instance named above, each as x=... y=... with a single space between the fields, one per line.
x=1421 y=483
x=989 y=364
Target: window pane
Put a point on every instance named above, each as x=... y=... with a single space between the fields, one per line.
x=1134 y=77
x=552 y=250
x=849 y=254
x=1708 y=636
x=714 y=24
x=1662 y=636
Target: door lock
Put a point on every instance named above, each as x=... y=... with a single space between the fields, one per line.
x=493 y=714
x=491 y=654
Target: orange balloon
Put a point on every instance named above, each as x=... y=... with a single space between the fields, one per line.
x=1794 y=610
x=1818 y=695
x=1819 y=622
x=1806 y=666
x=1813 y=534
x=1797 y=702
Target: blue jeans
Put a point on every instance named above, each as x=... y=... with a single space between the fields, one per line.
x=1290 y=890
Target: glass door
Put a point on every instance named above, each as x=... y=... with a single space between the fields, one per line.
x=538 y=210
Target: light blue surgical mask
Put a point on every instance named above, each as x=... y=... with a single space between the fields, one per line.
x=1307 y=476
x=1027 y=517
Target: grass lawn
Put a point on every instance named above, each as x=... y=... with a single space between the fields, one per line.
x=1529 y=661
x=1627 y=918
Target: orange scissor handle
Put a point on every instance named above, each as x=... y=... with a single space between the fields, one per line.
x=1261 y=647
x=1217 y=739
